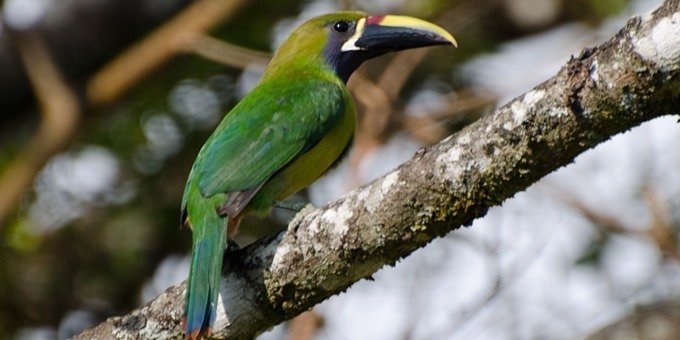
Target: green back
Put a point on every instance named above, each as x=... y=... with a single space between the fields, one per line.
x=264 y=132
x=298 y=100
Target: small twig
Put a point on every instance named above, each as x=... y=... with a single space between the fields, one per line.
x=375 y=107
x=661 y=227
x=222 y=52
x=461 y=101
x=371 y=96
x=378 y=99
x=399 y=70
x=603 y=221
x=60 y=115
x=428 y=127
x=375 y=101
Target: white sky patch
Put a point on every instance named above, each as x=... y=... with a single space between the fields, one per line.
x=631 y=261
x=73 y=181
x=522 y=64
x=248 y=79
x=172 y=270
x=398 y=150
x=383 y=160
x=163 y=135
x=24 y=14
x=428 y=100
x=196 y=103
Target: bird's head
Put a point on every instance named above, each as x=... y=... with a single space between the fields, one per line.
x=342 y=41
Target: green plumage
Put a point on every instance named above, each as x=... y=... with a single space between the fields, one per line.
x=252 y=148
x=244 y=152
x=281 y=137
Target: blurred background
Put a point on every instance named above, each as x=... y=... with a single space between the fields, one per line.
x=104 y=105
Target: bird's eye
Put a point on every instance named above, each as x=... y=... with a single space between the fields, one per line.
x=341 y=26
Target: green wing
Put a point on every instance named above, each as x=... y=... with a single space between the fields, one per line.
x=269 y=128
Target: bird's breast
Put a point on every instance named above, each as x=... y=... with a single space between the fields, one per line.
x=309 y=166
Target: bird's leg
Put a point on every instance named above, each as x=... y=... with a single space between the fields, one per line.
x=292 y=206
x=230 y=253
x=233 y=224
x=232 y=246
x=302 y=213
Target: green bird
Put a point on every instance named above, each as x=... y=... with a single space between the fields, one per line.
x=289 y=130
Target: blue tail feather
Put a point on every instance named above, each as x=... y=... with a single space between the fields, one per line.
x=209 y=243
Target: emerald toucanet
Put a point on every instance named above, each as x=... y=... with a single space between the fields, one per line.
x=282 y=136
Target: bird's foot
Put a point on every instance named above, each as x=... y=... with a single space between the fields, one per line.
x=292 y=206
x=302 y=213
x=232 y=246
x=229 y=254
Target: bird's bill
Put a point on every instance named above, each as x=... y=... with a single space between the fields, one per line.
x=394 y=33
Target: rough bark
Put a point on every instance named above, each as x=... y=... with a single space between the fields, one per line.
x=630 y=79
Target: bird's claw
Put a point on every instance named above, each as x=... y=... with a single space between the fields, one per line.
x=292 y=206
x=302 y=213
x=232 y=246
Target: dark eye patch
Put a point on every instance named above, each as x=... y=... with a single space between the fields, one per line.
x=341 y=26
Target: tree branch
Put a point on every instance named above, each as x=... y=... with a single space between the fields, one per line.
x=222 y=52
x=632 y=78
x=60 y=114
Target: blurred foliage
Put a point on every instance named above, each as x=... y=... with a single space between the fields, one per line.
x=597 y=9
x=100 y=260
